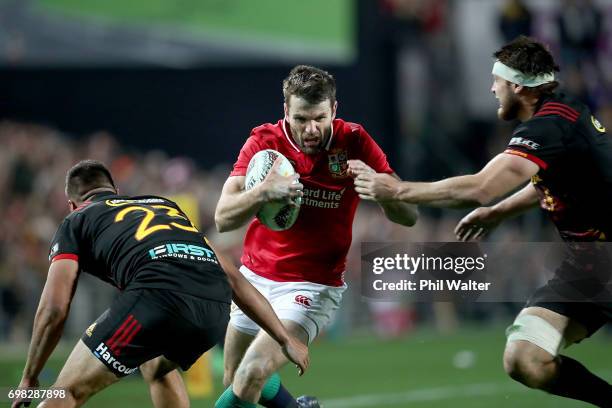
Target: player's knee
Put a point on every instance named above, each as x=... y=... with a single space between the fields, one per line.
x=159 y=380
x=529 y=365
x=255 y=372
x=156 y=369
x=533 y=343
x=151 y=372
x=515 y=362
x=148 y=370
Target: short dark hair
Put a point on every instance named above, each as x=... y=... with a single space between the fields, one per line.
x=529 y=56
x=310 y=83
x=85 y=176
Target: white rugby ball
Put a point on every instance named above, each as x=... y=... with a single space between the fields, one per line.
x=277 y=216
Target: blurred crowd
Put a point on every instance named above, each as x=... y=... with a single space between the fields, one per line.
x=579 y=31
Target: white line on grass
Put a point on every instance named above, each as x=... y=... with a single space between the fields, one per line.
x=426 y=394
x=430 y=394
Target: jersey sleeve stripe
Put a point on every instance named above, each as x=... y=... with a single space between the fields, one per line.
x=543 y=165
x=554 y=111
x=562 y=106
x=65 y=256
x=561 y=109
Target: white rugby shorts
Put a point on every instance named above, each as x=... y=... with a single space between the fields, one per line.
x=311 y=305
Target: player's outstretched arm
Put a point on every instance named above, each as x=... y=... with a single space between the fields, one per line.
x=396 y=211
x=500 y=176
x=50 y=318
x=483 y=220
x=237 y=206
x=254 y=305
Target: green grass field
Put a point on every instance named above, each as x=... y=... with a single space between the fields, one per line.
x=417 y=371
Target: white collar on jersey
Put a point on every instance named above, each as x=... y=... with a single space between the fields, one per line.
x=292 y=143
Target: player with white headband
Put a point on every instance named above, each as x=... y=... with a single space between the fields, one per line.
x=520 y=78
x=562 y=157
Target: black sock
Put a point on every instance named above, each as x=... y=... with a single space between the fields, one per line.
x=575 y=381
x=282 y=399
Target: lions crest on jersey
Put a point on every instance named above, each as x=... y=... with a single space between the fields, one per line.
x=338 y=163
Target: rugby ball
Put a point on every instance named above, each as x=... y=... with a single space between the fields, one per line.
x=277 y=216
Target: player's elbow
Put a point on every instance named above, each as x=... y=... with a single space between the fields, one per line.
x=401 y=213
x=408 y=219
x=53 y=313
x=238 y=288
x=220 y=224
x=481 y=196
x=412 y=217
x=221 y=221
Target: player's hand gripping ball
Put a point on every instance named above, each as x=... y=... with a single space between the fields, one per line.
x=276 y=215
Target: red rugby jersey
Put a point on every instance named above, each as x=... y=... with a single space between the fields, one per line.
x=315 y=248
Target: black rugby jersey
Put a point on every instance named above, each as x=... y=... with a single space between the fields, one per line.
x=140 y=242
x=574 y=154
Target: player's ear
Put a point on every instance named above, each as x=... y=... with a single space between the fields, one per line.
x=334 y=109
x=517 y=88
x=286 y=109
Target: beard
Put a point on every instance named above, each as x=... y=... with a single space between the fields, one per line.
x=508 y=110
x=312 y=147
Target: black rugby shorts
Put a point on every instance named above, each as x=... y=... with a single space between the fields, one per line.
x=142 y=324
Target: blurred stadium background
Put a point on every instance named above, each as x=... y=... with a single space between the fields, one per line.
x=166 y=91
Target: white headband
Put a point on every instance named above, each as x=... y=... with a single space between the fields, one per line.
x=520 y=78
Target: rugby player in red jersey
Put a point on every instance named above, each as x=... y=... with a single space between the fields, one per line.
x=562 y=156
x=299 y=270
